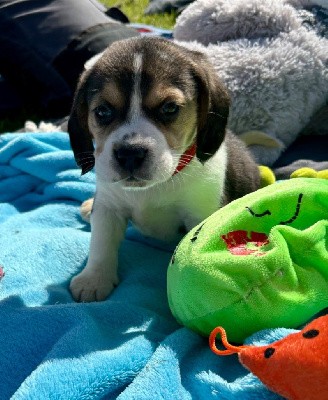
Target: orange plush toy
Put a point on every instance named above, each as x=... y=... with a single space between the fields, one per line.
x=295 y=367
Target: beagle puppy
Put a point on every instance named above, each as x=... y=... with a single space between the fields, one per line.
x=157 y=114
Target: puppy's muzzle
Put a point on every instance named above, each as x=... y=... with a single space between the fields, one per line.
x=130 y=158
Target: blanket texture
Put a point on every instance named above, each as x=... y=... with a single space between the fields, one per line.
x=127 y=347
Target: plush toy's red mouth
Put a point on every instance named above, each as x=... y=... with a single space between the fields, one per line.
x=242 y=243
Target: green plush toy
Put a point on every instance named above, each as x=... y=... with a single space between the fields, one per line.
x=259 y=262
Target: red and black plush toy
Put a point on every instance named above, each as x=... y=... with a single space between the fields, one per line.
x=295 y=367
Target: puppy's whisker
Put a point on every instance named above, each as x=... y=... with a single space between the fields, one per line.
x=184 y=162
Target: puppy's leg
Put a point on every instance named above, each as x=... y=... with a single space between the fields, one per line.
x=99 y=277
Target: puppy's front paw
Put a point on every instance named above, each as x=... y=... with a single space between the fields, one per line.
x=85 y=209
x=92 y=285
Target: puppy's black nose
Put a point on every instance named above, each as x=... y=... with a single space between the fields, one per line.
x=130 y=158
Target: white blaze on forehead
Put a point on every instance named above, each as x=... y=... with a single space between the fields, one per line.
x=135 y=105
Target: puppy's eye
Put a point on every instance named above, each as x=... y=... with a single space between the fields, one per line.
x=170 y=108
x=104 y=114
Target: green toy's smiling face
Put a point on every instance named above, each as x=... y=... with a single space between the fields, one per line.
x=268 y=212
x=242 y=242
x=259 y=262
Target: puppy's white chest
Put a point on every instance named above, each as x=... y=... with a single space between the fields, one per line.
x=165 y=213
x=162 y=223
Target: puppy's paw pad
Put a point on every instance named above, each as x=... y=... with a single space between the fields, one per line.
x=85 y=209
x=88 y=286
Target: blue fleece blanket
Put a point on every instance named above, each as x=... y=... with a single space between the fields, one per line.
x=127 y=347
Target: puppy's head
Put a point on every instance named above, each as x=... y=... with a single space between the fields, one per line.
x=143 y=103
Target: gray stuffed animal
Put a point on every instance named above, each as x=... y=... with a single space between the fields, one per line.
x=275 y=67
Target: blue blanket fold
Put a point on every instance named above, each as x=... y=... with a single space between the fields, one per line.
x=127 y=347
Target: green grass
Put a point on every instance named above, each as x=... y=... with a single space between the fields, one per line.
x=134 y=10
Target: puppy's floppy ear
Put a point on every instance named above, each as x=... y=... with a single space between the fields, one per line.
x=79 y=134
x=213 y=109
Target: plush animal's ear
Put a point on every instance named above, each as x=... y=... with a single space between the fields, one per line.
x=213 y=110
x=79 y=134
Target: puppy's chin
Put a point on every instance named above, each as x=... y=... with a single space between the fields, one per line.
x=150 y=175
x=135 y=183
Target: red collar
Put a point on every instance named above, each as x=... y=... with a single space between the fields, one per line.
x=186 y=157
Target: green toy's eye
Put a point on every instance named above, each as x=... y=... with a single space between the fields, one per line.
x=267 y=212
x=297 y=211
x=196 y=233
